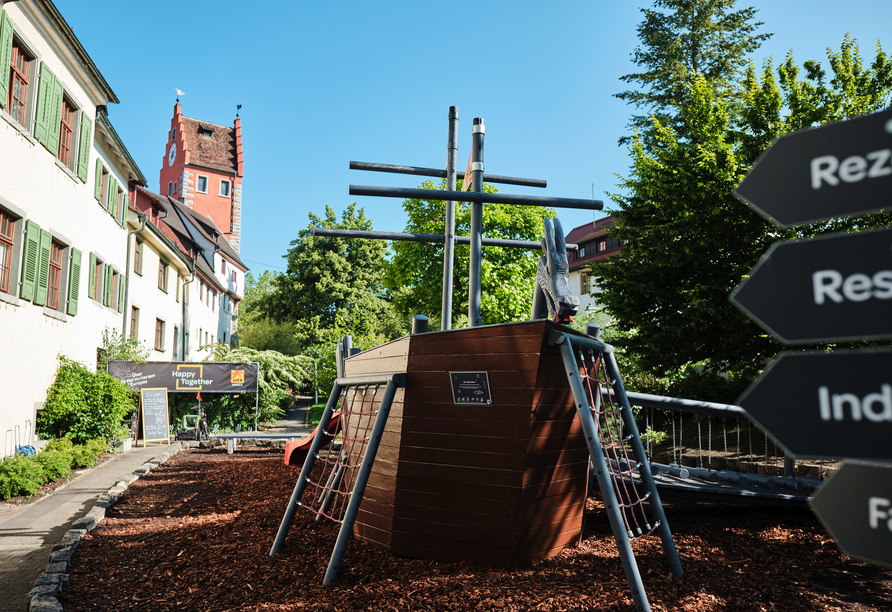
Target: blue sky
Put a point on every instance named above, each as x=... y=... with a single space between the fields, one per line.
x=324 y=83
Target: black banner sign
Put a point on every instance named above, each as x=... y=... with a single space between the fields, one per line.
x=470 y=388
x=188 y=377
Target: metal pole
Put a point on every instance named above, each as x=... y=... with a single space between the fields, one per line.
x=449 y=231
x=466 y=196
x=435 y=238
x=644 y=466
x=340 y=547
x=418 y=171
x=419 y=324
x=602 y=472
x=257 y=396
x=475 y=272
x=291 y=509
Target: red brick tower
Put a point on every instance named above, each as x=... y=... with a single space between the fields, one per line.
x=202 y=168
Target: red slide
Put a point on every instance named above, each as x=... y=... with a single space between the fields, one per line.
x=296 y=452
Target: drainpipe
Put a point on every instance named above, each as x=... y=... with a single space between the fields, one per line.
x=186 y=329
x=142 y=219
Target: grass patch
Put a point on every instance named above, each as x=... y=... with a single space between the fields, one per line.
x=316 y=411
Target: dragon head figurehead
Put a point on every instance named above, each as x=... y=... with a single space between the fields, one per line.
x=552 y=296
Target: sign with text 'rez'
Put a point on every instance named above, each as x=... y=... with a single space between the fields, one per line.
x=470 y=388
x=826 y=289
x=855 y=506
x=153 y=415
x=826 y=405
x=188 y=377
x=837 y=170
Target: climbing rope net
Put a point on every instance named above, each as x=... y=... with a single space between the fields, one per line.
x=329 y=486
x=614 y=442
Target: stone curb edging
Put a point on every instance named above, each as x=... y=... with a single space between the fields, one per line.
x=42 y=598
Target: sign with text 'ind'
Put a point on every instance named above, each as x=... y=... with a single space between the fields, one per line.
x=826 y=404
x=837 y=170
x=855 y=506
x=826 y=289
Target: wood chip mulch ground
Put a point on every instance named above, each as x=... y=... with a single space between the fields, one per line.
x=196 y=532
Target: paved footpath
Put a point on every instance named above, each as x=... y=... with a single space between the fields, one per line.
x=28 y=533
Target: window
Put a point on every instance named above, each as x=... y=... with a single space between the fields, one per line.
x=117 y=294
x=137 y=257
x=7 y=239
x=202 y=186
x=224 y=187
x=65 y=133
x=175 y=187
x=223 y=266
x=55 y=278
x=159 y=335
x=586 y=284
x=201 y=291
x=203 y=131
x=17 y=94
x=178 y=290
x=205 y=337
x=173 y=134
x=134 y=321
x=176 y=340
x=213 y=301
x=169 y=188
x=50 y=271
x=602 y=246
x=162 y=275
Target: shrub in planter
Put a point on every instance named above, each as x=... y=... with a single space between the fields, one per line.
x=55 y=463
x=20 y=476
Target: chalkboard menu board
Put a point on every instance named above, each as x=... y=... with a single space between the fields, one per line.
x=153 y=421
x=470 y=388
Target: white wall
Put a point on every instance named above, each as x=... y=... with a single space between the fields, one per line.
x=35 y=186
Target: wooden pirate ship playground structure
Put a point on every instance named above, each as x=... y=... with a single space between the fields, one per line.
x=478 y=443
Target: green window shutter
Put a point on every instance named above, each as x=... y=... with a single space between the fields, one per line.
x=125 y=206
x=54 y=119
x=43 y=268
x=110 y=197
x=83 y=159
x=45 y=104
x=74 y=281
x=5 y=56
x=31 y=257
x=97 y=188
x=107 y=286
x=91 y=272
x=120 y=293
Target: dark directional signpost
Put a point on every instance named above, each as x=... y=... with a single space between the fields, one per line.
x=827 y=289
x=838 y=170
x=819 y=405
x=833 y=288
x=855 y=506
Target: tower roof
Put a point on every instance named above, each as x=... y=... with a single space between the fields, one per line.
x=210 y=145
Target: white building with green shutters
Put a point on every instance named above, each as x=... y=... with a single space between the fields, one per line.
x=65 y=184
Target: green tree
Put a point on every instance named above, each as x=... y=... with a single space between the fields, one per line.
x=255 y=329
x=690 y=242
x=414 y=275
x=331 y=283
x=279 y=379
x=681 y=39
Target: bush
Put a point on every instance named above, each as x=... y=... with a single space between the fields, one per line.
x=20 y=476
x=83 y=405
x=55 y=463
